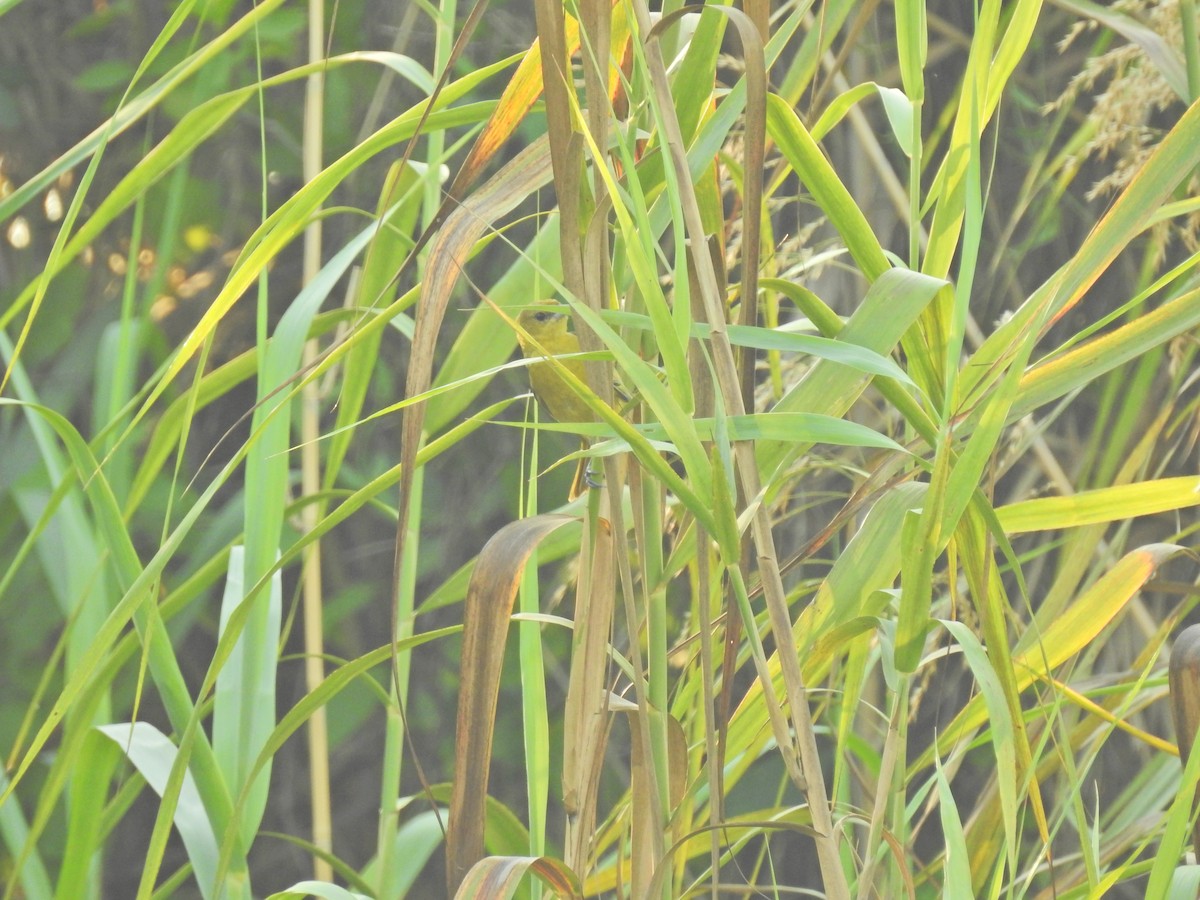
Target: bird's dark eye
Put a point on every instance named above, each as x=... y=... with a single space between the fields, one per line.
x=543 y=316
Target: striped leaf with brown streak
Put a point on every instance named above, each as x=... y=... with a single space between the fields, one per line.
x=489 y=604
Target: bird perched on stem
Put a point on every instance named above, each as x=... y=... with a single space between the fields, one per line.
x=546 y=323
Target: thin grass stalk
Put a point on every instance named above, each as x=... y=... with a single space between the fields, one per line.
x=713 y=757
x=394 y=740
x=650 y=799
x=1076 y=782
x=969 y=244
x=889 y=791
x=745 y=358
x=535 y=716
x=435 y=141
x=586 y=716
x=655 y=600
x=914 y=187
x=715 y=715
x=651 y=690
x=113 y=392
x=898 y=788
x=244 y=698
x=310 y=468
x=1191 y=46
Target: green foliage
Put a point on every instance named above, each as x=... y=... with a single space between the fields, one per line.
x=891 y=468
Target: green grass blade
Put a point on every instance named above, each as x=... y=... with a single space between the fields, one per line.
x=154 y=755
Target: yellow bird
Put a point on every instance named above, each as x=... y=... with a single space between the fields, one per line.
x=546 y=323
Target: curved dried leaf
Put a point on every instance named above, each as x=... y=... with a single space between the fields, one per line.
x=527 y=172
x=498 y=877
x=489 y=603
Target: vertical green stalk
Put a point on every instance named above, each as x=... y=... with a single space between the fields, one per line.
x=535 y=715
x=971 y=236
x=243 y=707
x=703 y=593
x=113 y=392
x=912 y=48
x=1191 y=46
x=436 y=139
x=393 y=749
x=658 y=688
x=914 y=189
x=889 y=811
x=406 y=566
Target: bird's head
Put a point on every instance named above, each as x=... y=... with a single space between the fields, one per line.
x=546 y=319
